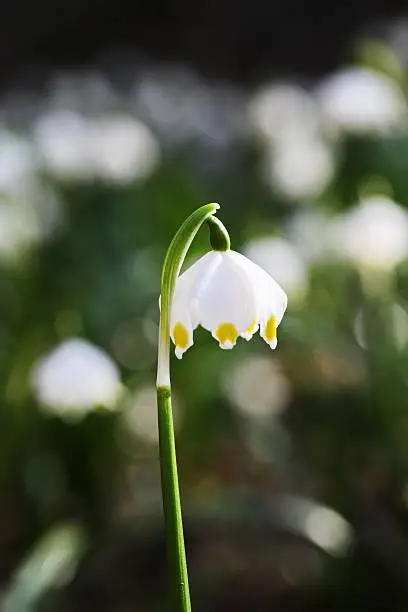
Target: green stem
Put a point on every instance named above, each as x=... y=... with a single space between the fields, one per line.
x=172 y=504
x=173 y=262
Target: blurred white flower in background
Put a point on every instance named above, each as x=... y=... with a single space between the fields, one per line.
x=309 y=231
x=374 y=234
x=280 y=259
x=123 y=149
x=115 y=148
x=183 y=108
x=361 y=100
x=300 y=168
x=298 y=161
x=75 y=378
x=140 y=413
x=28 y=210
x=258 y=387
x=17 y=161
x=320 y=524
x=283 y=111
x=63 y=142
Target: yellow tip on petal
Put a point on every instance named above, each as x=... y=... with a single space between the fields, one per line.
x=248 y=333
x=181 y=336
x=227 y=335
x=270 y=330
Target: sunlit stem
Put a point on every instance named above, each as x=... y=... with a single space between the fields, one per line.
x=173 y=261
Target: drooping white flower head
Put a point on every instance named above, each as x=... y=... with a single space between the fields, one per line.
x=228 y=295
x=74 y=378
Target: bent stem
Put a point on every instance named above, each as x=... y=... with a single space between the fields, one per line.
x=167 y=449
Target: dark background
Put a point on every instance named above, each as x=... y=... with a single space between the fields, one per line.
x=239 y=41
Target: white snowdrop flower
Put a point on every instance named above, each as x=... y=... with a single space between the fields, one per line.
x=300 y=167
x=228 y=295
x=29 y=213
x=123 y=148
x=308 y=231
x=258 y=387
x=17 y=162
x=75 y=378
x=281 y=260
x=361 y=100
x=374 y=234
x=63 y=140
x=282 y=111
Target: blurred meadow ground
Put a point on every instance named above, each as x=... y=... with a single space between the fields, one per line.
x=293 y=463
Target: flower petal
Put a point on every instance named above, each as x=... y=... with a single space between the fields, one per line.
x=271 y=298
x=226 y=302
x=186 y=287
x=184 y=316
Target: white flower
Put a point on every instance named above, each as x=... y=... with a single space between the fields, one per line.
x=308 y=231
x=282 y=111
x=373 y=234
x=258 y=387
x=124 y=149
x=300 y=167
x=228 y=295
x=361 y=100
x=17 y=161
x=76 y=377
x=63 y=142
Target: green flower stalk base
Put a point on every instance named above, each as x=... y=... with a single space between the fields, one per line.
x=171 y=503
x=173 y=262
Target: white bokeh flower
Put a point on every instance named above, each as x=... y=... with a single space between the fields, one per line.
x=228 y=295
x=300 y=167
x=279 y=258
x=298 y=161
x=28 y=215
x=123 y=149
x=63 y=142
x=283 y=111
x=17 y=161
x=75 y=378
x=361 y=100
x=258 y=387
x=113 y=147
x=374 y=234
x=308 y=230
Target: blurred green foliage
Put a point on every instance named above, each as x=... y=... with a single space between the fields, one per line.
x=305 y=507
